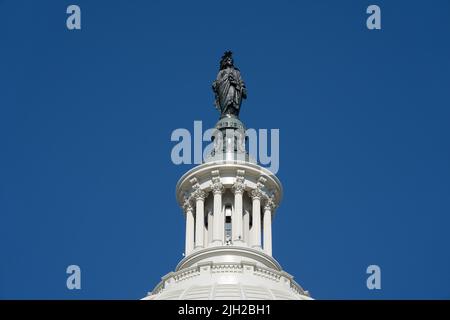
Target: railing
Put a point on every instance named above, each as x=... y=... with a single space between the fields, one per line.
x=229 y=267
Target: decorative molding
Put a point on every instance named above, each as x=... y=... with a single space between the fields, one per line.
x=198 y=193
x=239 y=184
x=187 y=205
x=227 y=175
x=214 y=268
x=217 y=186
x=256 y=194
x=269 y=203
x=261 y=182
x=194 y=182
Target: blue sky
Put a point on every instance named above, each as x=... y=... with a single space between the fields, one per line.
x=86 y=118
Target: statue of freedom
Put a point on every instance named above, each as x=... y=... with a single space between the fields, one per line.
x=229 y=88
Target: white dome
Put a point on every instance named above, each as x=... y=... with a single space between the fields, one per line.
x=226 y=292
x=256 y=277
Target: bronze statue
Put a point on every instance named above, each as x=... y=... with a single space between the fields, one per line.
x=229 y=88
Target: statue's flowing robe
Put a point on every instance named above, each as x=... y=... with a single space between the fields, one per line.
x=227 y=95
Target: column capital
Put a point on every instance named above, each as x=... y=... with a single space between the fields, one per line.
x=217 y=186
x=239 y=183
x=199 y=194
x=256 y=194
x=269 y=204
x=238 y=187
x=187 y=205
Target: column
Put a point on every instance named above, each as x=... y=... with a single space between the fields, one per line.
x=210 y=228
x=237 y=215
x=218 y=226
x=199 y=196
x=189 y=211
x=267 y=227
x=256 y=215
x=247 y=228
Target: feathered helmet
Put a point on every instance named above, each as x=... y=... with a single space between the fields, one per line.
x=226 y=55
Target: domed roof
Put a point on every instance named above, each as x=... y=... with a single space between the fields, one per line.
x=228 y=281
x=227 y=292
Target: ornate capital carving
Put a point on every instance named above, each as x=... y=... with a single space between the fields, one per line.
x=198 y=193
x=261 y=182
x=238 y=187
x=269 y=204
x=256 y=194
x=187 y=205
x=217 y=186
x=239 y=184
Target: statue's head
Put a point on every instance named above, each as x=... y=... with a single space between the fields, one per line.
x=227 y=60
